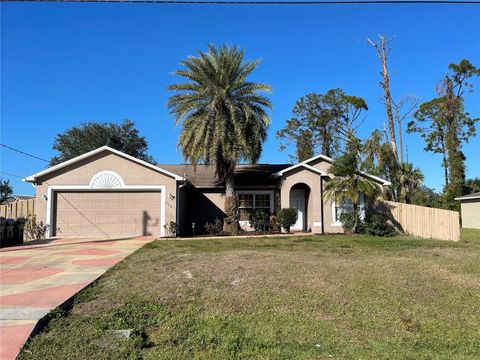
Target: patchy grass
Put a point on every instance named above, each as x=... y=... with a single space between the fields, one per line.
x=278 y=298
x=470 y=236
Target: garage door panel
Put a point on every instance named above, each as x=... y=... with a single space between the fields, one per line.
x=108 y=213
x=130 y=207
x=115 y=229
x=101 y=218
x=101 y=206
x=87 y=205
x=114 y=218
x=130 y=228
x=113 y=205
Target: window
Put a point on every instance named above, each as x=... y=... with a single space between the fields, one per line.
x=262 y=201
x=248 y=202
x=340 y=208
x=346 y=206
x=246 y=206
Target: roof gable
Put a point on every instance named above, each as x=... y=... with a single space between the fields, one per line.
x=305 y=162
x=301 y=165
x=306 y=165
x=32 y=178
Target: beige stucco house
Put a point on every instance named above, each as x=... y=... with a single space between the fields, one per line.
x=107 y=193
x=470 y=210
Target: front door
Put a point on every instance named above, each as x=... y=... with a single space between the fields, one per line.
x=297 y=201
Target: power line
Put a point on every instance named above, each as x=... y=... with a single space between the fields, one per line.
x=247 y=2
x=23 y=152
x=13 y=175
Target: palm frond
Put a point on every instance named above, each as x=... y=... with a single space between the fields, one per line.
x=223 y=116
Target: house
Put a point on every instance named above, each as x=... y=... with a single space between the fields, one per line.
x=107 y=193
x=470 y=210
x=16 y=197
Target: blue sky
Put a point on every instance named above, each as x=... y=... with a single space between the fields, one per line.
x=63 y=64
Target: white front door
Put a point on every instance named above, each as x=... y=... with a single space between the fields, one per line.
x=297 y=201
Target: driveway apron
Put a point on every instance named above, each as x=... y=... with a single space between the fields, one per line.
x=38 y=277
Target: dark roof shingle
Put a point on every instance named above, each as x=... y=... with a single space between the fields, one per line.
x=245 y=174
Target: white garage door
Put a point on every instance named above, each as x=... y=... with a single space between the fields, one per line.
x=107 y=214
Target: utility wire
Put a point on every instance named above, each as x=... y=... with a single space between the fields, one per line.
x=13 y=175
x=247 y=2
x=23 y=153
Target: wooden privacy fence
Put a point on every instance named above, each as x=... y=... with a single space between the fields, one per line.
x=425 y=222
x=17 y=209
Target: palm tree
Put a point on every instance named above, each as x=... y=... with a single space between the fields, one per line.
x=409 y=180
x=372 y=151
x=349 y=184
x=223 y=116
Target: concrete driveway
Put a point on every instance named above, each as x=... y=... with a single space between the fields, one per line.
x=37 y=278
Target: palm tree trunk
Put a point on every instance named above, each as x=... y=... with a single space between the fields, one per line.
x=231 y=207
x=230 y=186
x=355 y=217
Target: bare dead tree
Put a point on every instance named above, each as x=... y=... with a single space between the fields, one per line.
x=385 y=132
x=347 y=133
x=404 y=109
x=382 y=49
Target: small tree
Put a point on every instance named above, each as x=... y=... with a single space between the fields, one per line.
x=260 y=220
x=287 y=217
x=5 y=189
x=409 y=180
x=92 y=135
x=214 y=228
x=171 y=228
x=33 y=229
x=349 y=184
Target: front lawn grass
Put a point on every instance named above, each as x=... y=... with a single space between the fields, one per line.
x=470 y=236
x=313 y=297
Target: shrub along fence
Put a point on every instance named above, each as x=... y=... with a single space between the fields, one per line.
x=17 y=209
x=425 y=222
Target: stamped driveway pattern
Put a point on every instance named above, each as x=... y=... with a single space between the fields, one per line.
x=35 y=279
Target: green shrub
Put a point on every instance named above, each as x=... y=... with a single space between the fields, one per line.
x=348 y=223
x=171 y=228
x=374 y=224
x=260 y=220
x=378 y=224
x=287 y=217
x=33 y=229
x=214 y=228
